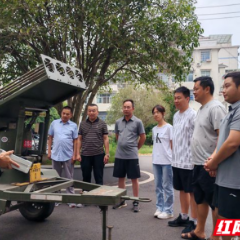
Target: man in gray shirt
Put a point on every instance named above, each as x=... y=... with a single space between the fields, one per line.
x=203 y=145
x=226 y=160
x=130 y=135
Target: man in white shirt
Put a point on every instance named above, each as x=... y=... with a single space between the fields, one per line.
x=183 y=126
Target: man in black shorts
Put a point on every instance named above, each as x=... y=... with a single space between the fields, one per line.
x=226 y=161
x=203 y=145
x=130 y=135
x=183 y=126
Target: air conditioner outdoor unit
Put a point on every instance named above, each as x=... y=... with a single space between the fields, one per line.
x=198 y=64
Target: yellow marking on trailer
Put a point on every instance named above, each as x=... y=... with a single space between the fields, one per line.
x=35 y=172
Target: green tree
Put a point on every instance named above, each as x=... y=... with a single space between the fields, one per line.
x=136 y=38
x=53 y=115
x=169 y=99
x=144 y=99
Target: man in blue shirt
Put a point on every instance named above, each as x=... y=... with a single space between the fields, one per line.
x=63 y=153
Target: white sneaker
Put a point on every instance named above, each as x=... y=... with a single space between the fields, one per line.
x=165 y=215
x=72 y=205
x=57 y=204
x=79 y=205
x=157 y=213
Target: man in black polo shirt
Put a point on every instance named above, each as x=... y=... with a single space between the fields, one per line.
x=93 y=135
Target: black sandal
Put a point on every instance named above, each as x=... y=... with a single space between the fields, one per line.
x=191 y=235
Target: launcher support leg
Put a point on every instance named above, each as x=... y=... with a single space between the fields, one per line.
x=20 y=131
x=104 y=210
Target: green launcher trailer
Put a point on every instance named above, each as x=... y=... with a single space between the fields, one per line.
x=31 y=95
x=31 y=189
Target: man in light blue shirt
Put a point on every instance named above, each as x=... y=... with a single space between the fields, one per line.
x=63 y=133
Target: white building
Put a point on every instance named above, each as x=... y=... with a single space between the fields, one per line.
x=103 y=100
x=214 y=57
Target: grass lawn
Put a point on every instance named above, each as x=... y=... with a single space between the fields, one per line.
x=145 y=149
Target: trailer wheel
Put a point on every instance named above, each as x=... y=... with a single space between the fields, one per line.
x=36 y=211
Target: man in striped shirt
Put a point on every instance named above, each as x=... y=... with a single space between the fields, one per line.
x=93 y=135
x=183 y=126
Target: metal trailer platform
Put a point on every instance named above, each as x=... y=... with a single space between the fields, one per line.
x=36 y=200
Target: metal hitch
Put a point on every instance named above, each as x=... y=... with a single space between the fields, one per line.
x=139 y=199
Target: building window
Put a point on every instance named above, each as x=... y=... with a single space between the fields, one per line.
x=205 y=55
x=190 y=77
x=205 y=73
x=104 y=98
x=102 y=115
x=191 y=95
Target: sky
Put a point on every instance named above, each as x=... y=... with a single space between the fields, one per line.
x=228 y=22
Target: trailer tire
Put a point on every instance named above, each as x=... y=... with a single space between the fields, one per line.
x=36 y=211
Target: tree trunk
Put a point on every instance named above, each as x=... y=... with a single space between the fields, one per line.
x=90 y=100
x=78 y=106
x=59 y=107
x=70 y=102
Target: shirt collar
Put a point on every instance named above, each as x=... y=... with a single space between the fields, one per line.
x=68 y=122
x=234 y=105
x=132 y=118
x=207 y=104
x=93 y=121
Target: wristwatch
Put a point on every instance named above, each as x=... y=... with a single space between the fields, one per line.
x=107 y=155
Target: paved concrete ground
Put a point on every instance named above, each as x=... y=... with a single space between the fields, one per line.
x=85 y=223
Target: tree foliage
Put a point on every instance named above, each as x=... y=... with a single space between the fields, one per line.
x=53 y=116
x=144 y=99
x=108 y=40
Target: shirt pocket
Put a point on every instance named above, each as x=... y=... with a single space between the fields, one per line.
x=132 y=129
x=67 y=133
x=120 y=130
